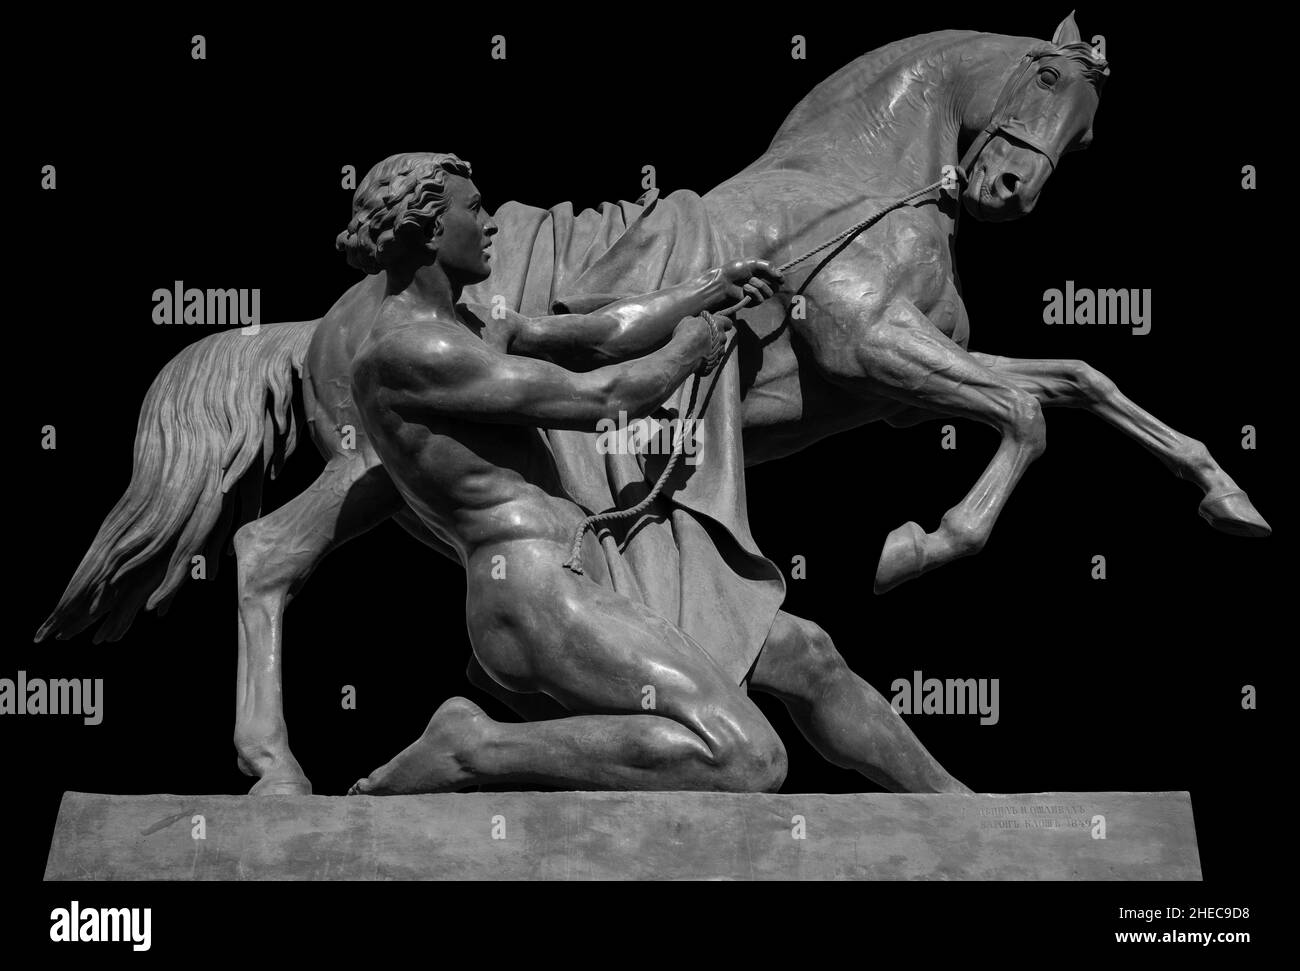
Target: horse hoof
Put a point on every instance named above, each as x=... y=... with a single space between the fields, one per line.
x=281 y=787
x=1233 y=513
x=903 y=557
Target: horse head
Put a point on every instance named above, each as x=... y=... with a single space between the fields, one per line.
x=1043 y=110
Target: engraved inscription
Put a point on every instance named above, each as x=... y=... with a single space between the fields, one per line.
x=1023 y=817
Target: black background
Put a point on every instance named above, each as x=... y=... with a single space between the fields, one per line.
x=226 y=173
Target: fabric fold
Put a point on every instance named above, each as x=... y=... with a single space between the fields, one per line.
x=690 y=557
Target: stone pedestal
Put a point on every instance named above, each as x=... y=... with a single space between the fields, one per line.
x=627 y=836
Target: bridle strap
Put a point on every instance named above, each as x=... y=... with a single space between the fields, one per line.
x=1002 y=122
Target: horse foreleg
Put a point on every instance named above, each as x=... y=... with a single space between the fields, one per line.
x=275 y=556
x=898 y=354
x=1075 y=384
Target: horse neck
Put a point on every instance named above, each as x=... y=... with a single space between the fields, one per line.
x=898 y=112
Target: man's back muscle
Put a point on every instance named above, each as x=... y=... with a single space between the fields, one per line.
x=471 y=481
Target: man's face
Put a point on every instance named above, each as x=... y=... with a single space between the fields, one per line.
x=464 y=236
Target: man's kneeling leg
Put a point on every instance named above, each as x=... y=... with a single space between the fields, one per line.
x=847 y=720
x=652 y=710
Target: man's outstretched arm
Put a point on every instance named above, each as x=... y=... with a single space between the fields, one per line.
x=637 y=325
x=423 y=373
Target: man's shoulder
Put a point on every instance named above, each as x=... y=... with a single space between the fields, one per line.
x=427 y=333
x=427 y=342
x=496 y=324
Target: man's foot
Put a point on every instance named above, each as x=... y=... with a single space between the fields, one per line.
x=432 y=763
x=935 y=779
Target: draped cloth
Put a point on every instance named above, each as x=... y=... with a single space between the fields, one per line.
x=689 y=557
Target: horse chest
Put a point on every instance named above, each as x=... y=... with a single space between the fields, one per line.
x=786 y=401
x=948 y=314
x=909 y=258
x=916 y=261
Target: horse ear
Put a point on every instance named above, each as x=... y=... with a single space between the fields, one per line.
x=1067 y=32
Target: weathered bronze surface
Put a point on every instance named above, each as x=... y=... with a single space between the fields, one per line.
x=459 y=387
x=629 y=836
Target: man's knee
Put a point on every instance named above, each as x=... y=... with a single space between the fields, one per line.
x=751 y=760
x=803 y=661
x=818 y=657
x=770 y=764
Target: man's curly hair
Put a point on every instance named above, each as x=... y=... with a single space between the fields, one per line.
x=402 y=190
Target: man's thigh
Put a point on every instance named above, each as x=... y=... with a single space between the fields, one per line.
x=590 y=648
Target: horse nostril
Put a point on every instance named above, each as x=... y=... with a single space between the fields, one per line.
x=1007 y=184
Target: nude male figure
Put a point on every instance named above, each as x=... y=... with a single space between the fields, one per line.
x=452 y=399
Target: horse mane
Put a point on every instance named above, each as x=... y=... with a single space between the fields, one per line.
x=883 y=62
x=875 y=63
x=1095 y=69
x=864 y=71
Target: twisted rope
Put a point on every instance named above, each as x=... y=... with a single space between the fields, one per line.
x=574 y=562
x=860 y=226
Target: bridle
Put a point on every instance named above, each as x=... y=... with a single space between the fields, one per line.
x=1004 y=122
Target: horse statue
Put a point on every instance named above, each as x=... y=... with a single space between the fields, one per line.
x=873 y=331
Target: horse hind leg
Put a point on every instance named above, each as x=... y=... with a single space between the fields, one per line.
x=1075 y=384
x=275 y=555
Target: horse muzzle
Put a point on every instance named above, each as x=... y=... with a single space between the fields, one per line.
x=1006 y=180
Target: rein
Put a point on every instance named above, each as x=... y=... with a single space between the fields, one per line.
x=1002 y=121
x=574 y=562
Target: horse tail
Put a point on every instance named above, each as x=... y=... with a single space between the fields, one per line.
x=216 y=419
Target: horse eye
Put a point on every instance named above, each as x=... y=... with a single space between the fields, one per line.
x=1048 y=76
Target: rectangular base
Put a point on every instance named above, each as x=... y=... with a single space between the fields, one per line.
x=627 y=836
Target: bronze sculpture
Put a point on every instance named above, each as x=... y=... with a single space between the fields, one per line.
x=450 y=396
x=897 y=355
